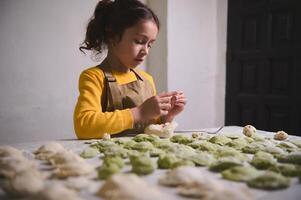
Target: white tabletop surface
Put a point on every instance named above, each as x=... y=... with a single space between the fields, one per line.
x=291 y=193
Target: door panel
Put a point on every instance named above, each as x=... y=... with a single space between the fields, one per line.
x=263 y=76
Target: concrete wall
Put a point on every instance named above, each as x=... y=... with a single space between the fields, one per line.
x=40 y=63
x=39 y=67
x=194 y=56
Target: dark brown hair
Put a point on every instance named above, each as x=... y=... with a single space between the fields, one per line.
x=110 y=20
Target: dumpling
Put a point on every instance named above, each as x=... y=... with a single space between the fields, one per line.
x=280 y=135
x=162 y=130
x=24 y=184
x=130 y=186
x=249 y=130
x=47 y=150
x=269 y=181
x=54 y=192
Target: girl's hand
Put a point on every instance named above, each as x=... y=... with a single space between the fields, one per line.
x=178 y=102
x=153 y=107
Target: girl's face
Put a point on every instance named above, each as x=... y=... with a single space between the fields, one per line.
x=135 y=44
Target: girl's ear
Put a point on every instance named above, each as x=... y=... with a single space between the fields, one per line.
x=113 y=41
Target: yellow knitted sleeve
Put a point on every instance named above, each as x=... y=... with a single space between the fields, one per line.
x=89 y=120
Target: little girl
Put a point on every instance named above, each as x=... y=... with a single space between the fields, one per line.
x=116 y=98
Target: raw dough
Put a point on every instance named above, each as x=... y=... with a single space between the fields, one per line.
x=162 y=130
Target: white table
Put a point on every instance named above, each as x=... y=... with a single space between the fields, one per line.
x=291 y=193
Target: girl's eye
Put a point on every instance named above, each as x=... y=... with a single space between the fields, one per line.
x=139 y=42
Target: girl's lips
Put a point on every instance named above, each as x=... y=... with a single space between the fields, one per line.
x=139 y=59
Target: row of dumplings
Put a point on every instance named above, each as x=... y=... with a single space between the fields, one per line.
x=22 y=178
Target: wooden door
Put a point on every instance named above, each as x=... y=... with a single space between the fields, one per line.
x=263 y=75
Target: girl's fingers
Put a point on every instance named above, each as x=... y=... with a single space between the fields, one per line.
x=181 y=101
x=165 y=106
x=164 y=99
x=163 y=112
x=167 y=94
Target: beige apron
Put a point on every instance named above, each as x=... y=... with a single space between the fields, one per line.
x=130 y=95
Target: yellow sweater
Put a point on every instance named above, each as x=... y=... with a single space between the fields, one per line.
x=89 y=119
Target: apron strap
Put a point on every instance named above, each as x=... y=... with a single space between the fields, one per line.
x=115 y=98
x=138 y=75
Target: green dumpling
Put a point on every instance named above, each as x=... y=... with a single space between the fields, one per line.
x=129 y=144
x=287 y=169
x=274 y=150
x=142 y=165
x=121 y=140
x=102 y=145
x=208 y=146
x=143 y=146
x=288 y=146
x=238 y=143
x=115 y=150
x=220 y=139
x=253 y=148
x=263 y=160
x=146 y=137
x=183 y=162
x=257 y=137
x=269 y=181
x=181 y=139
x=89 y=152
x=296 y=142
x=107 y=170
x=225 y=163
x=163 y=144
x=196 y=144
x=202 y=159
x=155 y=152
x=114 y=160
x=166 y=161
x=233 y=136
x=240 y=173
x=230 y=152
x=294 y=158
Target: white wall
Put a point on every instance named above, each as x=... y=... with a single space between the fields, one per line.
x=157 y=63
x=195 y=58
x=39 y=67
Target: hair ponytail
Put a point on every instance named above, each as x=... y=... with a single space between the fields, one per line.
x=110 y=19
x=96 y=36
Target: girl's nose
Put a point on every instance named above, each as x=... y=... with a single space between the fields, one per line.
x=145 y=50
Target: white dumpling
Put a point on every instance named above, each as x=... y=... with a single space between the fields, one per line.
x=130 y=186
x=280 y=135
x=63 y=157
x=11 y=166
x=8 y=151
x=47 y=150
x=249 y=130
x=73 y=169
x=55 y=192
x=162 y=130
x=24 y=184
x=181 y=175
